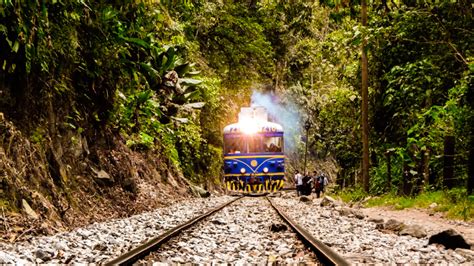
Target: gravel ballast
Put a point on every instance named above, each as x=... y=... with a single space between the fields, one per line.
x=359 y=241
x=247 y=232
x=99 y=242
x=241 y=234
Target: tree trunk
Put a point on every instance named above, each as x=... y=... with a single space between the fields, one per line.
x=448 y=167
x=365 y=105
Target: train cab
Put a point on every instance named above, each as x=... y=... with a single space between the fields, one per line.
x=254 y=160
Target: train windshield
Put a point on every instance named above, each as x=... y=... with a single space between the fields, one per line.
x=235 y=144
x=254 y=143
x=273 y=144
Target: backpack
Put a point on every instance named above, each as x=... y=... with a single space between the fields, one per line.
x=317 y=184
x=321 y=180
x=306 y=179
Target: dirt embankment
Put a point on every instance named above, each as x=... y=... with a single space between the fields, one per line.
x=52 y=183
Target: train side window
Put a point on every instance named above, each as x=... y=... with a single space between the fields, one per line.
x=273 y=144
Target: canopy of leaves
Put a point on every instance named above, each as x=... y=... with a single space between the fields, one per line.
x=168 y=75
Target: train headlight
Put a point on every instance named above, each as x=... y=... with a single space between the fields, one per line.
x=265 y=170
x=242 y=170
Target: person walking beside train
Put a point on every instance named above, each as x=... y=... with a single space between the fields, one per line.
x=298 y=182
x=323 y=181
x=316 y=184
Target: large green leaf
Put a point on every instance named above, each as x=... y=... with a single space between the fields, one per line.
x=143 y=96
x=182 y=69
x=169 y=60
x=151 y=72
x=138 y=42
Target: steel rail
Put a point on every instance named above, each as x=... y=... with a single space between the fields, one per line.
x=325 y=254
x=143 y=250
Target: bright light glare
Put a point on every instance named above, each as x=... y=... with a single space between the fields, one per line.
x=249 y=127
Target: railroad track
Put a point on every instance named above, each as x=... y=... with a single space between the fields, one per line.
x=326 y=255
x=322 y=253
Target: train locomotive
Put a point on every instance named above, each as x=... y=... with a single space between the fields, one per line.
x=254 y=159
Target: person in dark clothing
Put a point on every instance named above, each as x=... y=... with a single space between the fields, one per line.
x=323 y=181
x=306 y=189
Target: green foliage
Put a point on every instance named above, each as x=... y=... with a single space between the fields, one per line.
x=140 y=141
x=232 y=41
x=352 y=194
x=112 y=66
x=419 y=64
x=212 y=116
x=168 y=76
x=199 y=161
x=378 y=182
x=38 y=135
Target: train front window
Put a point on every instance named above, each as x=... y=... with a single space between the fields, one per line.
x=254 y=143
x=273 y=144
x=234 y=145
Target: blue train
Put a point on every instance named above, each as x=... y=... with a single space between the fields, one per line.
x=254 y=159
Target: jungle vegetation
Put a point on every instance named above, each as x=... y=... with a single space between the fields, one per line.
x=164 y=77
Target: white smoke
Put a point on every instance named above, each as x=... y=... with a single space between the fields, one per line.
x=284 y=113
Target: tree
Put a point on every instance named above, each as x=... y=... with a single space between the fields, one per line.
x=365 y=105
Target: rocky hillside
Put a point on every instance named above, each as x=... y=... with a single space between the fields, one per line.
x=51 y=187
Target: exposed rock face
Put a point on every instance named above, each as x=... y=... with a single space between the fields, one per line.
x=450 y=239
x=345 y=211
x=54 y=175
x=413 y=230
x=43 y=255
x=103 y=178
x=350 y=212
x=328 y=201
x=358 y=214
x=278 y=227
x=376 y=220
x=200 y=192
x=305 y=199
x=394 y=225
